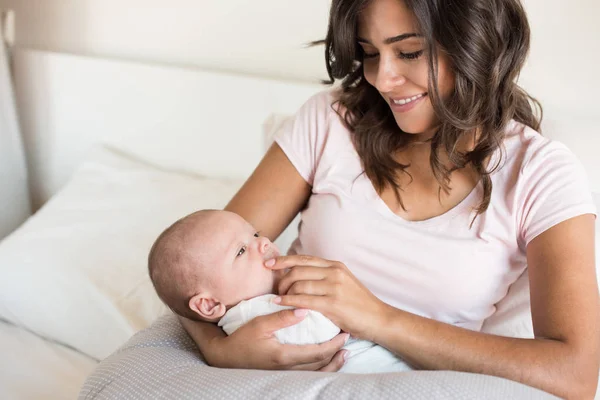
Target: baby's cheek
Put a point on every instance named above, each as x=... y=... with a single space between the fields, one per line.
x=273 y=280
x=267 y=279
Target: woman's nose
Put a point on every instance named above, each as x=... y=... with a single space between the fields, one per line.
x=389 y=75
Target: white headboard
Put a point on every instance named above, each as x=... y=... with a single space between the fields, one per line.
x=196 y=121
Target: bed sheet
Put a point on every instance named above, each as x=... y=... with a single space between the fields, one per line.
x=33 y=368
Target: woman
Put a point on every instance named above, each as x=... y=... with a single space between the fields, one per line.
x=425 y=192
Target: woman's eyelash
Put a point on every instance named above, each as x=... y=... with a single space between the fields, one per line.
x=411 y=56
x=404 y=56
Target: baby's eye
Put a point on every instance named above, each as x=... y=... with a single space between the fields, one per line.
x=256 y=234
x=242 y=251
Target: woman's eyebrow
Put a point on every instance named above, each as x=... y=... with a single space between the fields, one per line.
x=392 y=39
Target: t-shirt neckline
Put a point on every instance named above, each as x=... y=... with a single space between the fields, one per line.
x=467 y=202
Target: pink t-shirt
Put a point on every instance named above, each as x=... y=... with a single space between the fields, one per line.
x=438 y=268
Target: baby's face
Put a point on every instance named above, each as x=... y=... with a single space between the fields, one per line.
x=235 y=254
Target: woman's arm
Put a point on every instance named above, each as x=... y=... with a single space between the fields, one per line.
x=562 y=359
x=269 y=200
x=272 y=196
x=564 y=356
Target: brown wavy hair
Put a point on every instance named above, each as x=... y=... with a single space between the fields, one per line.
x=487 y=43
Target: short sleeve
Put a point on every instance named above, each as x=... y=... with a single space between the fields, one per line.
x=303 y=137
x=553 y=187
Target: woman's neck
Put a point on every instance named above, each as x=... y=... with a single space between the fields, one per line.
x=417 y=154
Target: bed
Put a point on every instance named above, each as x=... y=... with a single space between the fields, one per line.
x=116 y=151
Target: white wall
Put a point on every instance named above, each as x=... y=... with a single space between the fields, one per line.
x=565 y=55
x=263 y=37
x=266 y=37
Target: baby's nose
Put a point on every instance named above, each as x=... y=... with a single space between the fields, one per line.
x=263 y=244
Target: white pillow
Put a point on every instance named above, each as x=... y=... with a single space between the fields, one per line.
x=76 y=271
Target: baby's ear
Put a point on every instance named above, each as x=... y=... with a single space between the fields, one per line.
x=207 y=307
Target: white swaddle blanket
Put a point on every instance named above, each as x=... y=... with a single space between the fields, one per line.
x=365 y=357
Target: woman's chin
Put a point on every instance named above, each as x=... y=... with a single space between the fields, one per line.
x=415 y=129
x=411 y=129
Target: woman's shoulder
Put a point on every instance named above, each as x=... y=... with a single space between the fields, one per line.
x=543 y=179
x=324 y=101
x=533 y=163
x=525 y=148
x=320 y=120
x=528 y=162
x=313 y=133
x=318 y=113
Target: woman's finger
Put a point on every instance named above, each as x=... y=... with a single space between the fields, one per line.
x=279 y=320
x=284 y=262
x=314 y=288
x=337 y=362
x=317 y=366
x=313 y=353
x=301 y=273
x=303 y=301
x=333 y=364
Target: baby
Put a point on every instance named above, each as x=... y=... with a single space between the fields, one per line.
x=209 y=266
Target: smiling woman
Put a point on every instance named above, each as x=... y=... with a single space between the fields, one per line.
x=397 y=103
x=400 y=59
x=444 y=64
x=425 y=190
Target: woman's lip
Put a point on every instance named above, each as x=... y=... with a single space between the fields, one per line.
x=407 y=97
x=401 y=108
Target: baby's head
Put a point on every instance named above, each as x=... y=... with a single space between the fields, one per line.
x=209 y=261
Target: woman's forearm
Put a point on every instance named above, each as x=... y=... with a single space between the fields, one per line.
x=203 y=334
x=551 y=365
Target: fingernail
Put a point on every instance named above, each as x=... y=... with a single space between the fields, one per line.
x=346 y=355
x=347 y=338
x=300 y=312
x=270 y=263
x=276 y=300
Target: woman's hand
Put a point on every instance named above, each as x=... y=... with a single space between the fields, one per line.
x=254 y=346
x=329 y=288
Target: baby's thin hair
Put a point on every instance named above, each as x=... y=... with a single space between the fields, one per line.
x=167 y=253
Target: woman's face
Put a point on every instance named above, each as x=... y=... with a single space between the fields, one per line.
x=395 y=64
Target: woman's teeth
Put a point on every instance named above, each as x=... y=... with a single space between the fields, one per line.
x=406 y=101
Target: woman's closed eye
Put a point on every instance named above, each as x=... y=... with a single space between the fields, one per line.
x=404 y=56
x=411 y=56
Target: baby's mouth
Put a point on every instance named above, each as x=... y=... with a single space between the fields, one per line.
x=272 y=254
